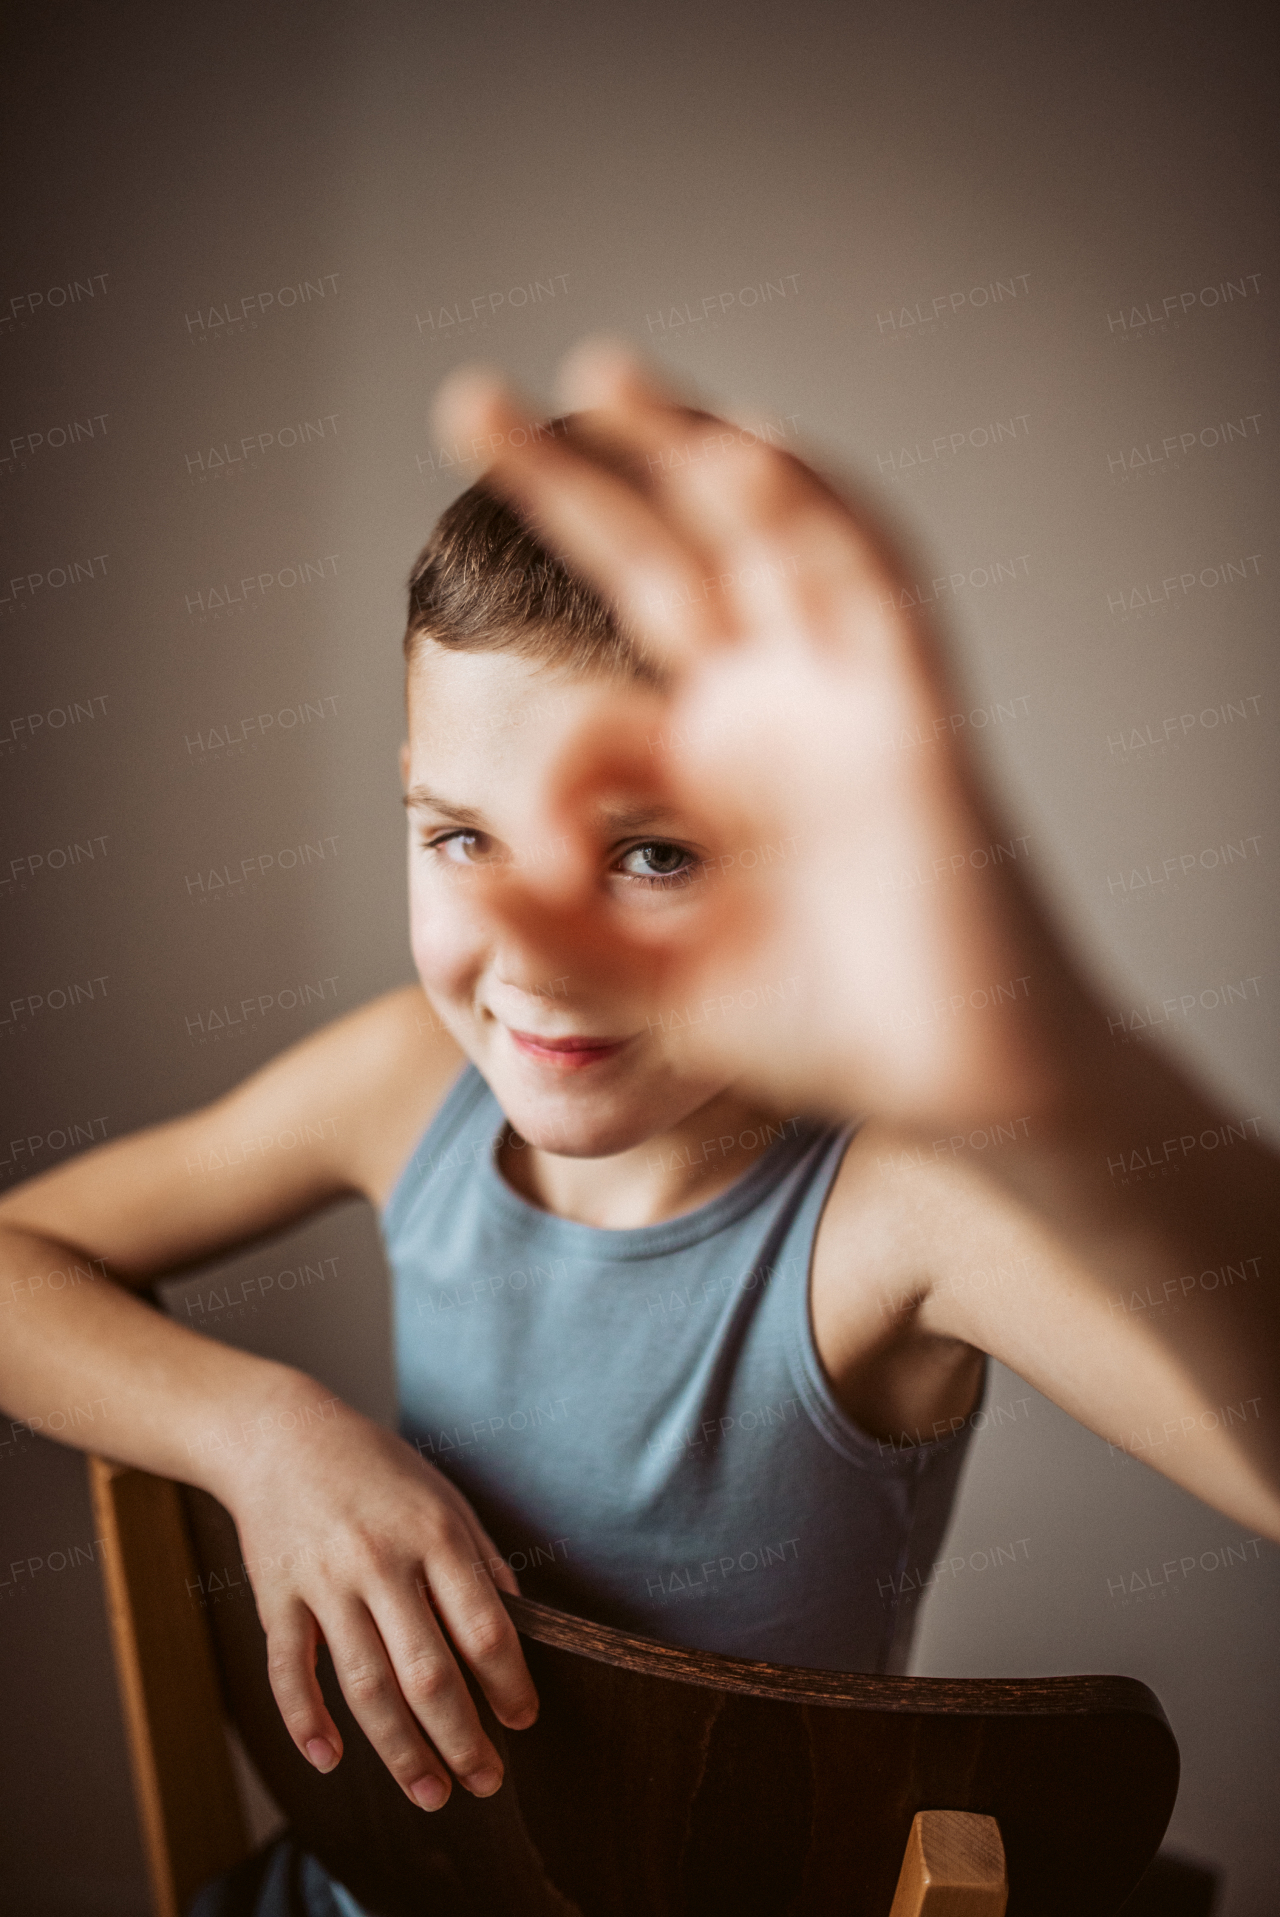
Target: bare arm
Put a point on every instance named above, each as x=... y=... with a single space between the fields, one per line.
x=804 y=703
x=324 y=1121
x=370 y=1528
x=1139 y=1234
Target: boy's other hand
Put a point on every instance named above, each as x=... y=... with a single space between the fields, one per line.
x=351 y=1539
x=869 y=942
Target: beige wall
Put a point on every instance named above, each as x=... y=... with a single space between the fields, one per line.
x=1043 y=187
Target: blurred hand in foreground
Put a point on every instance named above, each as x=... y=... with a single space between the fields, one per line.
x=867 y=944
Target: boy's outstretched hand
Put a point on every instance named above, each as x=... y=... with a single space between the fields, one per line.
x=868 y=945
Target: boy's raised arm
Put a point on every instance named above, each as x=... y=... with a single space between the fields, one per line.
x=887 y=956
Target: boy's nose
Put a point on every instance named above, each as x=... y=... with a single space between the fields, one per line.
x=540 y=987
x=528 y=969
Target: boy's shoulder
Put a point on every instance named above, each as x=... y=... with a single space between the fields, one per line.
x=388 y=1065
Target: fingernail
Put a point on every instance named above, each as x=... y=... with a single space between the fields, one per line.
x=428 y=1792
x=322 y=1754
x=483 y=1783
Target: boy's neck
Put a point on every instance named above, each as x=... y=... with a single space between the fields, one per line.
x=669 y=1174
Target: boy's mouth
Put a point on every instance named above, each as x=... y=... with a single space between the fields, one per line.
x=566 y=1054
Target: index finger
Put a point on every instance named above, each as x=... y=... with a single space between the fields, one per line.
x=585 y=505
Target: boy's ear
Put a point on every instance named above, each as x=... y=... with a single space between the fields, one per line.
x=404 y=765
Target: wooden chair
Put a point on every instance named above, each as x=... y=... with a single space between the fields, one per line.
x=657 y=1782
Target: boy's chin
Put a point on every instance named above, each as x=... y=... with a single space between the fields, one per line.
x=579 y=1124
x=575 y=1128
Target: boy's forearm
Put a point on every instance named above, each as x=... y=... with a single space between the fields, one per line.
x=86 y=1363
x=1120 y=1254
x=1135 y=1189
x=1134 y=1149
x=1128 y=1174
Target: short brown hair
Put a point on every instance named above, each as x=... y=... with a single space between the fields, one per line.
x=484 y=582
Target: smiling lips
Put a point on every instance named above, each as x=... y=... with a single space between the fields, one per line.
x=566 y=1054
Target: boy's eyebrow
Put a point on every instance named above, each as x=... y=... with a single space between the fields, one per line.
x=421 y=798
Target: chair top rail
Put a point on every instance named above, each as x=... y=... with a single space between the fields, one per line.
x=847 y=1690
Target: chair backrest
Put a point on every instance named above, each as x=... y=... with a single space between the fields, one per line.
x=660 y=1782
x=657 y=1779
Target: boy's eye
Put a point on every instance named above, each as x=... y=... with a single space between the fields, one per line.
x=658 y=863
x=459 y=847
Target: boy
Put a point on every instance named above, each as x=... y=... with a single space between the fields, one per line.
x=692 y=851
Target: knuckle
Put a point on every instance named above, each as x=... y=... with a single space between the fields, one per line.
x=284 y=1671
x=425 y=1678
x=465 y=1758
x=444 y=1531
x=299 y=1718
x=403 y=1757
x=365 y=1684
x=484 y=1636
x=373 y=1554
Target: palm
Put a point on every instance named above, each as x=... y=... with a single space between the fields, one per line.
x=850 y=885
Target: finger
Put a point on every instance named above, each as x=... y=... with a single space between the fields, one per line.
x=565 y=910
x=463 y=1589
x=292 y=1640
x=480 y=1631
x=622 y=757
x=610 y=759
x=656 y=967
x=602 y=370
x=737 y=496
x=587 y=939
x=597 y=518
x=649 y=423
x=653 y=426
x=393 y=1702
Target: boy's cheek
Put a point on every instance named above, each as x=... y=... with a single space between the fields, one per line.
x=447 y=950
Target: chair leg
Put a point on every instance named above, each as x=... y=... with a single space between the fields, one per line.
x=953 y=1867
x=188 y=1807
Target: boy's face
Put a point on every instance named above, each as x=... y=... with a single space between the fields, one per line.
x=583 y=1060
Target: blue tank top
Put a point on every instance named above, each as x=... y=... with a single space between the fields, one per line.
x=640 y=1418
